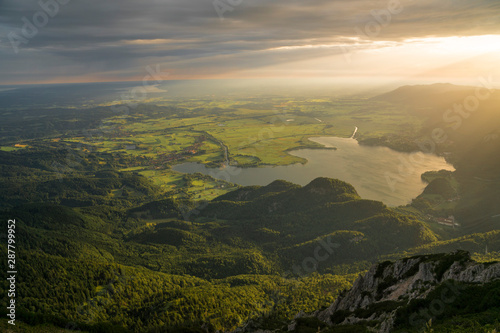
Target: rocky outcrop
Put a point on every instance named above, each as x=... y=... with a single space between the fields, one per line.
x=390 y=285
x=375 y=299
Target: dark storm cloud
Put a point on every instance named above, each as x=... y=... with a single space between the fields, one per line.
x=110 y=35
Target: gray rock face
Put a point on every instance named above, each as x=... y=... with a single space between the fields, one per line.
x=473 y=273
x=404 y=280
x=397 y=283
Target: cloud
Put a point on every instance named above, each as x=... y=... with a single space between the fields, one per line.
x=93 y=37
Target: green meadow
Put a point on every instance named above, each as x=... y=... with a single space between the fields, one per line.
x=264 y=133
x=256 y=132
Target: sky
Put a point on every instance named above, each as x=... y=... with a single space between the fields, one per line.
x=63 y=41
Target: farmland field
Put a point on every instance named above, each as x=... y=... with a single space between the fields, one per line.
x=255 y=132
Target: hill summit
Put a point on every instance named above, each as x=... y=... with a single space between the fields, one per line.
x=323 y=185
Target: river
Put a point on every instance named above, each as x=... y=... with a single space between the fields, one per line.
x=377 y=173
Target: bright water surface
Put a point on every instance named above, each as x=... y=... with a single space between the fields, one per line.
x=377 y=173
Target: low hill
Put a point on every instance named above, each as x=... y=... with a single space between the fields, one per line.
x=292 y=220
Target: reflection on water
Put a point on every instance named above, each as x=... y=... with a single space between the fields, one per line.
x=377 y=173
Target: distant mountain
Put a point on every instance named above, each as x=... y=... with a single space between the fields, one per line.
x=438 y=94
x=462 y=123
x=462 y=111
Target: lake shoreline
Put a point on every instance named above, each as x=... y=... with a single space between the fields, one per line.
x=369 y=169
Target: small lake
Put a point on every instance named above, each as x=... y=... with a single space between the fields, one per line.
x=377 y=173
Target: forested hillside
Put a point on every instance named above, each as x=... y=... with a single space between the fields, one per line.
x=138 y=264
x=103 y=248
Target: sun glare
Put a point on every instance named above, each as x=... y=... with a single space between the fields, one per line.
x=466 y=45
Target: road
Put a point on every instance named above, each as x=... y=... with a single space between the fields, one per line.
x=354 y=133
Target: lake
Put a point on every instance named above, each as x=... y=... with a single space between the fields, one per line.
x=377 y=173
